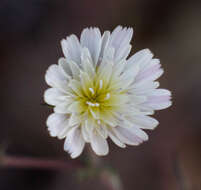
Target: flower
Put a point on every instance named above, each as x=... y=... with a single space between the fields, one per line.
x=98 y=92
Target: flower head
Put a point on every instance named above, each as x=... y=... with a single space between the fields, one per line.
x=98 y=92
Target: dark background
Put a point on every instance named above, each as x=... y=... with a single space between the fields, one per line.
x=30 y=34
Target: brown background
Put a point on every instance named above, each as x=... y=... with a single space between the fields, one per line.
x=30 y=34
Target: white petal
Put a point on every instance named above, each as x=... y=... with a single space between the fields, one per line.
x=137 y=99
x=74 y=119
x=99 y=144
x=145 y=88
x=58 y=125
x=85 y=133
x=53 y=96
x=76 y=107
x=144 y=109
x=102 y=130
x=72 y=49
x=151 y=72
x=74 y=69
x=136 y=109
x=105 y=42
x=87 y=63
x=74 y=142
x=65 y=67
x=159 y=106
x=76 y=87
x=151 y=76
x=115 y=139
x=63 y=106
x=120 y=40
x=141 y=58
x=89 y=126
x=128 y=76
x=115 y=34
x=118 y=68
x=109 y=54
x=159 y=99
x=154 y=62
x=135 y=130
x=55 y=78
x=91 y=39
x=123 y=54
x=161 y=92
x=145 y=122
x=126 y=136
x=105 y=72
x=86 y=83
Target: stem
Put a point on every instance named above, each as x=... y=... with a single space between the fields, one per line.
x=22 y=162
x=110 y=180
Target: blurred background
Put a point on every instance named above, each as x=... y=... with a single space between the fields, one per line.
x=30 y=34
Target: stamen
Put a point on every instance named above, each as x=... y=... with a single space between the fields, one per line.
x=90 y=104
x=100 y=84
x=93 y=104
x=107 y=96
x=92 y=91
x=93 y=114
x=97 y=104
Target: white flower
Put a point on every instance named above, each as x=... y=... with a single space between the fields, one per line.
x=98 y=92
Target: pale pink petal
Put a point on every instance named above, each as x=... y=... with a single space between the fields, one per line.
x=72 y=49
x=65 y=67
x=74 y=143
x=151 y=70
x=115 y=139
x=127 y=136
x=144 y=121
x=55 y=78
x=142 y=58
x=99 y=144
x=159 y=99
x=58 y=125
x=91 y=39
x=105 y=42
x=120 y=40
x=53 y=96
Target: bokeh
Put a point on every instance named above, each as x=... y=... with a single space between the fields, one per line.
x=30 y=35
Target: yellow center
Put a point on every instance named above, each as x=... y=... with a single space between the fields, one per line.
x=98 y=98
